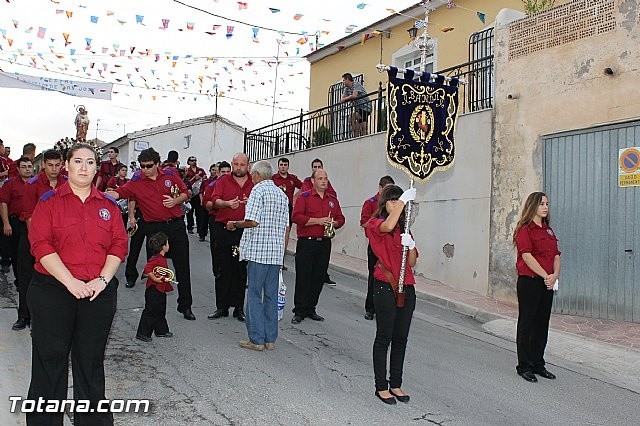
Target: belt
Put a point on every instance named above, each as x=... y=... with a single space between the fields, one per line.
x=175 y=219
x=315 y=238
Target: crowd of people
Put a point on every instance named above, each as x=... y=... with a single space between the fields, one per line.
x=64 y=239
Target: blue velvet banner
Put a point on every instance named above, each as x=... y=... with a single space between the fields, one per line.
x=422 y=117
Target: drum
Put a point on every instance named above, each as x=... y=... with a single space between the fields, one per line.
x=195 y=189
x=124 y=206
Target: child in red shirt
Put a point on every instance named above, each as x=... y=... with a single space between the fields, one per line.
x=155 y=297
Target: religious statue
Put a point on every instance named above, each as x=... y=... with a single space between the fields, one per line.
x=82 y=124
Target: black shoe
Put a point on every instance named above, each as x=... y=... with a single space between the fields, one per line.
x=21 y=324
x=239 y=314
x=6 y=269
x=167 y=334
x=368 y=316
x=297 y=319
x=328 y=280
x=201 y=239
x=143 y=338
x=391 y=400
x=315 y=317
x=190 y=231
x=401 y=398
x=130 y=284
x=528 y=376
x=187 y=314
x=543 y=372
x=219 y=313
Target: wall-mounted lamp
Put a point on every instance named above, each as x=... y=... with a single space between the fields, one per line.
x=609 y=71
x=413 y=32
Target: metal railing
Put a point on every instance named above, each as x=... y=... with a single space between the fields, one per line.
x=320 y=127
x=333 y=123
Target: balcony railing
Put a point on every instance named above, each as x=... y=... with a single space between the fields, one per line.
x=333 y=123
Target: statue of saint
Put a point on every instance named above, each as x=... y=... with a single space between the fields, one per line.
x=82 y=124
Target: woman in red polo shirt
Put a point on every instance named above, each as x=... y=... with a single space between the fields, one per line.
x=384 y=231
x=538 y=268
x=78 y=240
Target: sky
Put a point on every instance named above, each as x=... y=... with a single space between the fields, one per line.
x=167 y=60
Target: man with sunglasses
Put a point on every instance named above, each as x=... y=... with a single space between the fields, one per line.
x=159 y=194
x=196 y=174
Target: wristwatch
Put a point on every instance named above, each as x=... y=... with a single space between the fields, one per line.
x=104 y=280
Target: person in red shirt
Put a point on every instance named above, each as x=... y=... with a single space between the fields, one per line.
x=314 y=210
x=213 y=175
x=195 y=176
x=385 y=233
x=171 y=163
x=7 y=153
x=538 y=266
x=108 y=169
x=29 y=151
x=307 y=185
x=230 y=194
x=223 y=168
x=288 y=183
x=78 y=241
x=4 y=165
x=369 y=207
x=11 y=195
x=116 y=182
x=48 y=179
x=154 y=315
x=159 y=195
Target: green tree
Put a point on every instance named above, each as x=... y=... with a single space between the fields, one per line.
x=535 y=6
x=321 y=136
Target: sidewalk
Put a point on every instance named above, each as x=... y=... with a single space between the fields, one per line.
x=610 y=349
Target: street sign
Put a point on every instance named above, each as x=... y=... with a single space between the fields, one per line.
x=629 y=167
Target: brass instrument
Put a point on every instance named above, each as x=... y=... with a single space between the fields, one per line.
x=175 y=191
x=132 y=229
x=329 y=230
x=165 y=273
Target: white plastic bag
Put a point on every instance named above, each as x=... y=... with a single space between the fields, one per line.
x=282 y=298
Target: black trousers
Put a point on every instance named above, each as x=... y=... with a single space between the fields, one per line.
x=62 y=324
x=392 y=328
x=232 y=281
x=25 y=271
x=312 y=261
x=179 y=255
x=212 y=247
x=135 y=246
x=534 y=311
x=154 y=314
x=200 y=216
x=371 y=262
x=10 y=244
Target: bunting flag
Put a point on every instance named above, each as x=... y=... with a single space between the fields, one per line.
x=481 y=16
x=361 y=5
x=422 y=117
x=165 y=24
x=94 y=19
x=190 y=26
x=446 y=29
x=66 y=39
x=229 y=31
x=297 y=16
x=69 y=14
x=274 y=10
x=41 y=32
x=242 y=5
x=139 y=19
x=88 y=41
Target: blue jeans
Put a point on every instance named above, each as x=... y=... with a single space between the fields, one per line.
x=262 y=302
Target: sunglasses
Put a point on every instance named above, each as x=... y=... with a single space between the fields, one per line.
x=147 y=166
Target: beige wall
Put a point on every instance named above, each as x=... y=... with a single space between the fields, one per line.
x=555 y=89
x=452 y=49
x=453 y=205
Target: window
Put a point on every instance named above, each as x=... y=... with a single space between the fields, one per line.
x=409 y=55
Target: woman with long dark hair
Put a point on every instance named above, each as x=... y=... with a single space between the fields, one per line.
x=385 y=233
x=78 y=240
x=538 y=266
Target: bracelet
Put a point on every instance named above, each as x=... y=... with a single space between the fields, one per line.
x=104 y=280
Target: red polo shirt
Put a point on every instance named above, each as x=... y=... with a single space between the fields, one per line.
x=13 y=170
x=206 y=196
x=157 y=260
x=192 y=174
x=34 y=189
x=369 y=207
x=387 y=247
x=309 y=205
x=226 y=189
x=116 y=182
x=82 y=234
x=288 y=184
x=149 y=194
x=541 y=242
x=107 y=170
x=307 y=185
x=12 y=193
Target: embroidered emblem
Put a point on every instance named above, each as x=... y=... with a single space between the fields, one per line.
x=167 y=183
x=331 y=205
x=550 y=232
x=104 y=214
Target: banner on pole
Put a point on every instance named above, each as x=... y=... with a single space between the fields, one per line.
x=82 y=89
x=422 y=117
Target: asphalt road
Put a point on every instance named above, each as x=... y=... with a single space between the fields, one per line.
x=321 y=373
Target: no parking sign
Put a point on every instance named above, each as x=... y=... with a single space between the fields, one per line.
x=629 y=166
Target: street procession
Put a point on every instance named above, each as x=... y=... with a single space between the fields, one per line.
x=221 y=212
